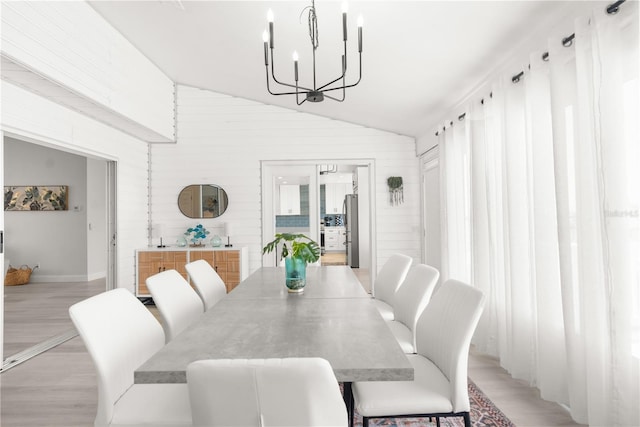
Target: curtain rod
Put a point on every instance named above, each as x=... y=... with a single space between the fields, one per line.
x=612 y=9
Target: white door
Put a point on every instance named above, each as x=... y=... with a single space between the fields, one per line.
x=430 y=171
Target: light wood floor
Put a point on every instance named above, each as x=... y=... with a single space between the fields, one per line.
x=58 y=388
x=333 y=258
x=37 y=311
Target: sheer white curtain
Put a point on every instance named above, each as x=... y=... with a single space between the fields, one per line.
x=542 y=185
x=455 y=190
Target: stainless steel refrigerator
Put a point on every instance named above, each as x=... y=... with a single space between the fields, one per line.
x=350 y=210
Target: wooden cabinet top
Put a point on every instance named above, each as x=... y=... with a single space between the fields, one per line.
x=189 y=248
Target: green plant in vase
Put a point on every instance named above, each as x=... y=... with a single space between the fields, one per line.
x=196 y=235
x=297 y=251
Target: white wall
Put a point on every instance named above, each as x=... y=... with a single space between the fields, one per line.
x=33 y=118
x=70 y=44
x=222 y=139
x=96 y=219
x=56 y=240
x=2 y=257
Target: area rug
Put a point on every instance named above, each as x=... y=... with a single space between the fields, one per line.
x=483 y=414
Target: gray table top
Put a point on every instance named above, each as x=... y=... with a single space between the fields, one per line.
x=262 y=322
x=322 y=282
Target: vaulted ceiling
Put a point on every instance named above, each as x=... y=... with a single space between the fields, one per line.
x=420 y=58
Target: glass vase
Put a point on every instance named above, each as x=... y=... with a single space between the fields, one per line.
x=296 y=274
x=216 y=241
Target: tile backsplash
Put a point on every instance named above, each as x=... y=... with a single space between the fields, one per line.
x=331 y=220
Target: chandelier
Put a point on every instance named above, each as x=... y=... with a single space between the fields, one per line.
x=315 y=93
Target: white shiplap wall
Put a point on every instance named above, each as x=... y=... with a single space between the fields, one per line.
x=71 y=45
x=28 y=116
x=222 y=139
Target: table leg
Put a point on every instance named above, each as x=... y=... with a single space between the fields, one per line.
x=347 y=395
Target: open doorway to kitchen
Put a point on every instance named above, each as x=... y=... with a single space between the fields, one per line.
x=328 y=200
x=73 y=248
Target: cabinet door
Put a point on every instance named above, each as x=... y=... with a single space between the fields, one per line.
x=233 y=270
x=334 y=197
x=153 y=262
x=226 y=264
x=289 y=199
x=330 y=198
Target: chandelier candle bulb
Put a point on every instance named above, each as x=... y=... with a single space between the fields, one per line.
x=295 y=64
x=360 y=22
x=270 y=20
x=345 y=8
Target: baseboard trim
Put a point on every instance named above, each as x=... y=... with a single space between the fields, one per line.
x=37 y=278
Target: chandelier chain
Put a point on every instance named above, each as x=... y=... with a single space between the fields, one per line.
x=313 y=24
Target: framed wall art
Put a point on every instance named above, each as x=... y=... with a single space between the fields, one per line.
x=36 y=198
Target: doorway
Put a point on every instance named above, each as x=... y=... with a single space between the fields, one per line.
x=430 y=171
x=73 y=249
x=307 y=197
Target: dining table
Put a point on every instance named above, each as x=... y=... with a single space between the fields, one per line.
x=333 y=318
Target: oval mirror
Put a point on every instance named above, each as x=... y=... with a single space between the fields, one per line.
x=203 y=201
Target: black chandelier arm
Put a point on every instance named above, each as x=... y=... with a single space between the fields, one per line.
x=344 y=70
x=298 y=99
x=273 y=75
x=280 y=93
x=344 y=92
x=335 y=99
x=344 y=86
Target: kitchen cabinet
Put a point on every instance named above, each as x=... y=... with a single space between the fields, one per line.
x=289 y=199
x=231 y=264
x=334 y=196
x=335 y=239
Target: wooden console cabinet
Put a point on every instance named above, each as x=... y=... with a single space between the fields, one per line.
x=231 y=264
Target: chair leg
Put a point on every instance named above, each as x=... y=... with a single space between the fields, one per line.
x=438 y=421
x=365 y=422
x=467 y=419
x=347 y=395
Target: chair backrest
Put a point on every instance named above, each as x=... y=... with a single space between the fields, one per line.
x=120 y=334
x=265 y=392
x=179 y=305
x=207 y=283
x=414 y=294
x=390 y=277
x=444 y=331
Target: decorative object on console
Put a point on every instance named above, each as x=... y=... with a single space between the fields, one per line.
x=227 y=232
x=196 y=234
x=36 y=198
x=396 y=194
x=315 y=93
x=303 y=250
x=216 y=241
x=156 y=231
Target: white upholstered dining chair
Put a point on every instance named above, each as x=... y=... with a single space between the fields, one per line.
x=265 y=392
x=120 y=334
x=207 y=283
x=178 y=303
x=439 y=387
x=388 y=281
x=409 y=302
